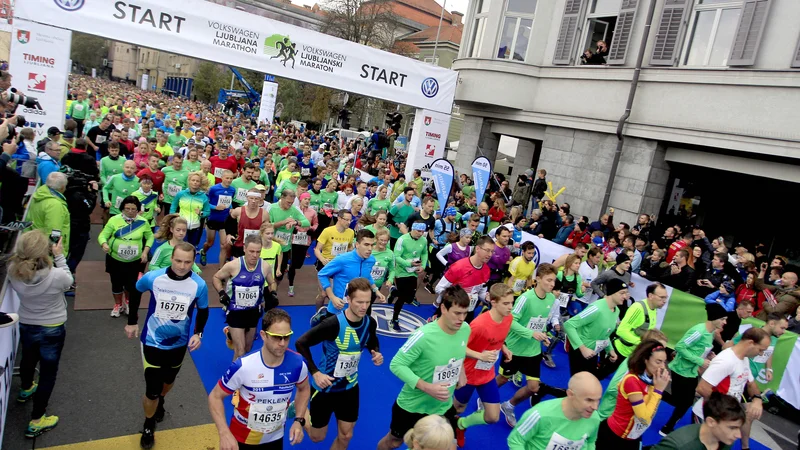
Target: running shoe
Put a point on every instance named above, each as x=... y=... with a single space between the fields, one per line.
x=395 y=325
x=548 y=360
x=480 y=405
x=116 y=310
x=415 y=302
x=460 y=435
x=228 y=341
x=6 y=320
x=159 y=415
x=24 y=395
x=390 y=298
x=320 y=314
x=71 y=291
x=37 y=427
x=517 y=379
x=148 y=439
x=535 y=399
x=291 y=291
x=203 y=258
x=664 y=431
x=508 y=411
x=126 y=307
x=429 y=288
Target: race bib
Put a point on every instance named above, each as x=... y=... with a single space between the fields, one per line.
x=284 y=236
x=247 y=297
x=218 y=172
x=305 y=171
x=128 y=252
x=378 y=272
x=225 y=200
x=412 y=269
x=100 y=139
x=599 y=346
x=448 y=373
x=762 y=359
x=78 y=107
x=537 y=324
x=338 y=248
x=241 y=195
x=639 y=427
x=563 y=299
x=300 y=238
x=519 y=285
x=266 y=418
x=248 y=233
x=118 y=201
x=173 y=189
x=558 y=442
x=483 y=365
x=473 y=301
x=346 y=365
x=706 y=352
x=314 y=207
x=172 y=307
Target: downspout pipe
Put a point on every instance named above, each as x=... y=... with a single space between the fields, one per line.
x=628 y=106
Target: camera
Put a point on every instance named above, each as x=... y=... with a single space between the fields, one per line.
x=12 y=127
x=15 y=98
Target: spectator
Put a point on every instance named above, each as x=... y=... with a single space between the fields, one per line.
x=781 y=299
x=678 y=245
x=629 y=244
x=81 y=200
x=725 y=296
x=642 y=228
x=53 y=135
x=26 y=136
x=522 y=192
x=539 y=186
x=679 y=275
x=566 y=230
x=48 y=210
x=78 y=159
x=710 y=280
x=731 y=326
x=605 y=224
x=48 y=160
x=579 y=235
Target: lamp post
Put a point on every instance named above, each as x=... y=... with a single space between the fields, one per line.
x=439 y=30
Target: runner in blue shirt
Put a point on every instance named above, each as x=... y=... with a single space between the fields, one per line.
x=220 y=197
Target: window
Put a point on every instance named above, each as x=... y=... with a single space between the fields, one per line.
x=712 y=29
x=516 y=34
x=430 y=60
x=601 y=22
x=478 y=28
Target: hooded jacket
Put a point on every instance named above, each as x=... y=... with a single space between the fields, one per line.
x=41 y=300
x=786 y=299
x=48 y=212
x=46 y=165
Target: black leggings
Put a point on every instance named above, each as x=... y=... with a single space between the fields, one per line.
x=193 y=236
x=298 y=258
x=606 y=438
x=124 y=276
x=682 y=393
x=406 y=291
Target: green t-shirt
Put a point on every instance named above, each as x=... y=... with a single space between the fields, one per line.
x=240 y=198
x=127 y=240
x=408 y=249
x=400 y=214
x=191 y=166
x=174 y=182
x=531 y=313
x=433 y=356
x=163 y=258
x=277 y=214
x=375 y=205
x=692 y=350
x=758 y=365
x=331 y=198
x=149 y=202
x=593 y=326
x=383 y=270
x=116 y=189
x=609 y=401
x=546 y=427
x=285 y=184
x=176 y=140
x=109 y=167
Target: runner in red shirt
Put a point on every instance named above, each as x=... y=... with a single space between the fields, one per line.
x=223 y=162
x=154 y=172
x=471 y=273
x=486 y=341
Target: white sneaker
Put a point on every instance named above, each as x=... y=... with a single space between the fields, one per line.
x=126 y=308
x=116 y=310
x=508 y=411
x=480 y=405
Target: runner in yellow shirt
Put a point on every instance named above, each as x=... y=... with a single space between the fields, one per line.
x=521 y=269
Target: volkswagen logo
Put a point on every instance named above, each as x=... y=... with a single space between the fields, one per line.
x=69 y=5
x=430 y=87
x=409 y=322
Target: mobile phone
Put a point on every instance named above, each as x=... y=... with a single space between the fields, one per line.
x=55 y=236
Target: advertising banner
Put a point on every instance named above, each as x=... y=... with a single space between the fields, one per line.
x=427 y=141
x=39 y=65
x=266 y=113
x=481 y=171
x=9 y=341
x=442 y=173
x=204 y=30
x=145 y=82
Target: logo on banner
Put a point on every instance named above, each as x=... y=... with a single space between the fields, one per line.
x=38 y=60
x=428 y=120
x=69 y=5
x=23 y=36
x=409 y=322
x=281 y=47
x=430 y=149
x=235 y=38
x=430 y=87
x=37 y=82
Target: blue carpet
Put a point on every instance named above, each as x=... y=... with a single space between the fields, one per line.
x=379 y=387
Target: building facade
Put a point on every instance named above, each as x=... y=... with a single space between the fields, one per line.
x=712 y=128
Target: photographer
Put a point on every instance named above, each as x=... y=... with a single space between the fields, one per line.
x=13 y=185
x=81 y=196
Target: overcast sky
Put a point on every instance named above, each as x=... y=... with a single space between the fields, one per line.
x=457 y=5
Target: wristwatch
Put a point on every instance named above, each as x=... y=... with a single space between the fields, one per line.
x=301 y=420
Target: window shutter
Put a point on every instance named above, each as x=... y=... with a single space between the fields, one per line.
x=796 y=60
x=748 y=34
x=670 y=28
x=622 y=32
x=565 y=45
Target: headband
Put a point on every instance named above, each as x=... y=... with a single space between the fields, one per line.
x=254 y=194
x=418 y=227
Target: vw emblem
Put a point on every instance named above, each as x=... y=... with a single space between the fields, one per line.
x=409 y=322
x=430 y=87
x=69 y=5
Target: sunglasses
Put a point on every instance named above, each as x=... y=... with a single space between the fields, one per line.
x=280 y=337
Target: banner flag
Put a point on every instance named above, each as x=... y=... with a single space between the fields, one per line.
x=427 y=142
x=443 y=174
x=481 y=171
x=266 y=111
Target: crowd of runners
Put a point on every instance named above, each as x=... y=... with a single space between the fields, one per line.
x=274 y=195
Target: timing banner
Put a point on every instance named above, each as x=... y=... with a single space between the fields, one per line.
x=428 y=142
x=205 y=30
x=266 y=112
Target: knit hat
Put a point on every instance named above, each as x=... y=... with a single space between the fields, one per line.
x=615 y=285
x=715 y=311
x=728 y=287
x=622 y=258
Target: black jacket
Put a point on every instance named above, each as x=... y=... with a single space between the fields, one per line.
x=82 y=161
x=81 y=203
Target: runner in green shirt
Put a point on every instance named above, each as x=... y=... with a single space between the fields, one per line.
x=288 y=184
x=640 y=317
x=692 y=352
x=316 y=195
x=569 y=423
x=284 y=216
x=191 y=163
x=175 y=179
x=176 y=140
x=79 y=109
x=588 y=333
x=243 y=184
x=380 y=202
x=399 y=214
x=149 y=200
x=329 y=194
x=112 y=164
x=761 y=365
x=411 y=258
x=120 y=186
x=532 y=311
x=430 y=364
x=172 y=230
x=383 y=270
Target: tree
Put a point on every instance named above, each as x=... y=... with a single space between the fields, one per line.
x=367 y=22
x=88 y=51
x=208 y=80
x=320 y=107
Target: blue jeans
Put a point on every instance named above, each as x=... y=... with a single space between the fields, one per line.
x=40 y=345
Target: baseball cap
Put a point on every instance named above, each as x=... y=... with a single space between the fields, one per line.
x=53 y=130
x=261 y=187
x=69 y=135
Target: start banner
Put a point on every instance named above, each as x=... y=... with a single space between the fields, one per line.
x=204 y=30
